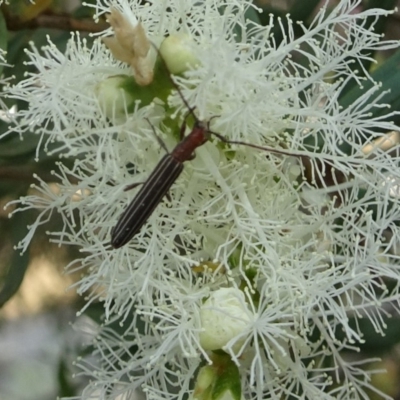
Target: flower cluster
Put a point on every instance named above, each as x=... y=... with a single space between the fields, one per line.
x=258 y=258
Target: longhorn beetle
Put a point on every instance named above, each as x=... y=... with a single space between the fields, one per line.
x=165 y=174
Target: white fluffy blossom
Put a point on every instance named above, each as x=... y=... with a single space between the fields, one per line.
x=305 y=252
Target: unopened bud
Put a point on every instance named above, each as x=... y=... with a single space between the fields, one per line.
x=178 y=54
x=113 y=99
x=224 y=316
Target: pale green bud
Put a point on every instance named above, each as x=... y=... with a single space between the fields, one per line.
x=114 y=100
x=224 y=315
x=177 y=52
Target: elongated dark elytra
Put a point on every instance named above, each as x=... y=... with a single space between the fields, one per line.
x=166 y=173
x=156 y=187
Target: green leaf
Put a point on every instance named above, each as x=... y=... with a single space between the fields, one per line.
x=13 y=189
x=228 y=379
x=19 y=262
x=65 y=387
x=388 y=74
x=12 y=145
x=380 y=25
x=266 y=11
x=302 y=10
x=26 y=10
x=376 y=343
x=3 y=36
x=360 y=64
x=376 y=208
x=251 y=16
x=84 y=11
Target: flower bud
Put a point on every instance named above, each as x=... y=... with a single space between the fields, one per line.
x=178 y=54
x=224 y=315
x=114 y=100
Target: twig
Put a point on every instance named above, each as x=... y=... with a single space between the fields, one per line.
x=56 y=21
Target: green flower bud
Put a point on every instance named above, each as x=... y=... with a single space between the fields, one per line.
x=177 y=53
x=114 y=100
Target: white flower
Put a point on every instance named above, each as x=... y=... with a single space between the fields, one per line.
x=300 y=236
x=63 y=92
